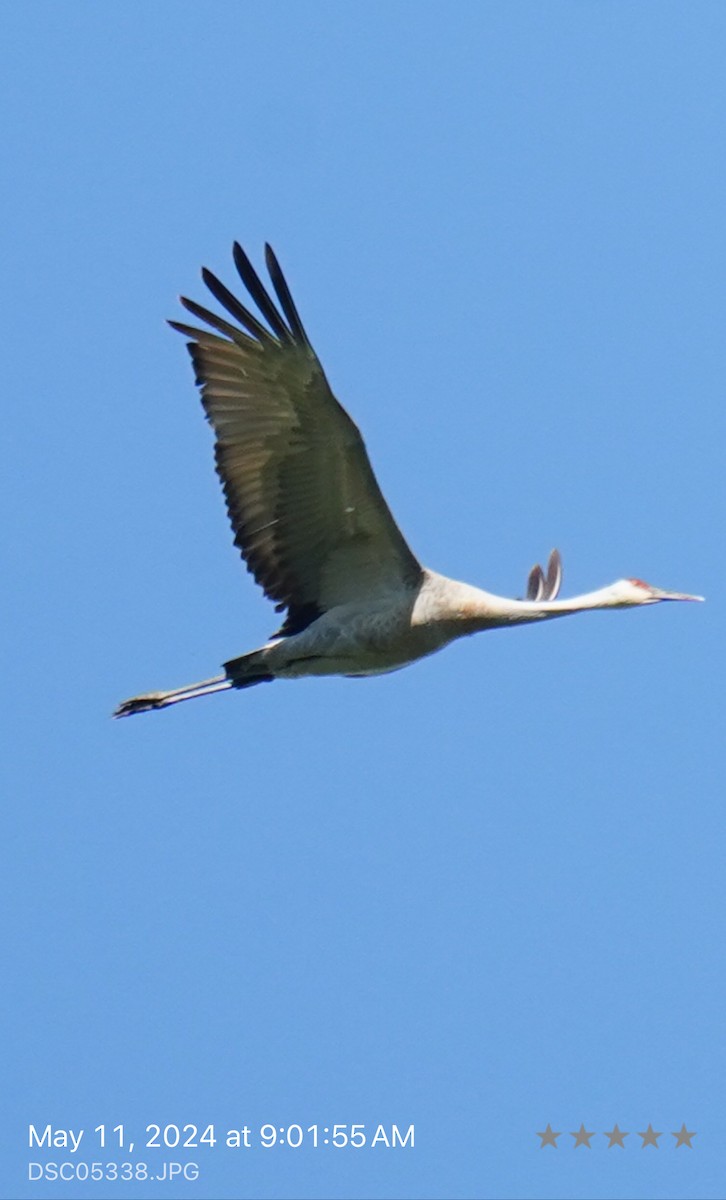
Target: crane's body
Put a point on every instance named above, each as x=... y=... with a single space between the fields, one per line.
x=312 y=523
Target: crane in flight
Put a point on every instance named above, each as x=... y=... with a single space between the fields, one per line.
x=311 y=521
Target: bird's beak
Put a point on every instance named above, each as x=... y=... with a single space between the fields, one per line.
x=661 y=595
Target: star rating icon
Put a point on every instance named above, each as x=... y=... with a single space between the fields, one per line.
x=616 y=1137
x=683 y=1137
x=549 y=1137
x=582 y=1137
x=650 y=1137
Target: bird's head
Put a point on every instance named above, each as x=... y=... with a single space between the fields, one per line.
x=626 y=593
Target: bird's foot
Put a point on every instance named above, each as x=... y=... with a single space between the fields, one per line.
x=139 y=704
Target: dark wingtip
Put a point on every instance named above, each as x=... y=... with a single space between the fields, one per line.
x=242 y=262
x=177 y=325
x=284 y=295
x=535 y=583
x=553 y=580
x=259 y=293
x=545 y=585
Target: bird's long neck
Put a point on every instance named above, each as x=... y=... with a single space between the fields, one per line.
x=499 y=610
x=469 y=609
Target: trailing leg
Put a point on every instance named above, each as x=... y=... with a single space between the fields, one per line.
x=152 y=700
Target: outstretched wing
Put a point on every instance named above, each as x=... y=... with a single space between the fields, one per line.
x=306 y=510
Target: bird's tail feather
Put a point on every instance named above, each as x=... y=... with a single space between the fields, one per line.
x=247 y=670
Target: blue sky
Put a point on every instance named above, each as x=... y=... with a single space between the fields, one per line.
x=478 y=896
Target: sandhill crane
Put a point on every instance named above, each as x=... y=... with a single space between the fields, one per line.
x=311 y=522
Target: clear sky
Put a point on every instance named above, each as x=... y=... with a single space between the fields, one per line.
x=482 y=895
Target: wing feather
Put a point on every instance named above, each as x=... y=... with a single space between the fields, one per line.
x=308 y=515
